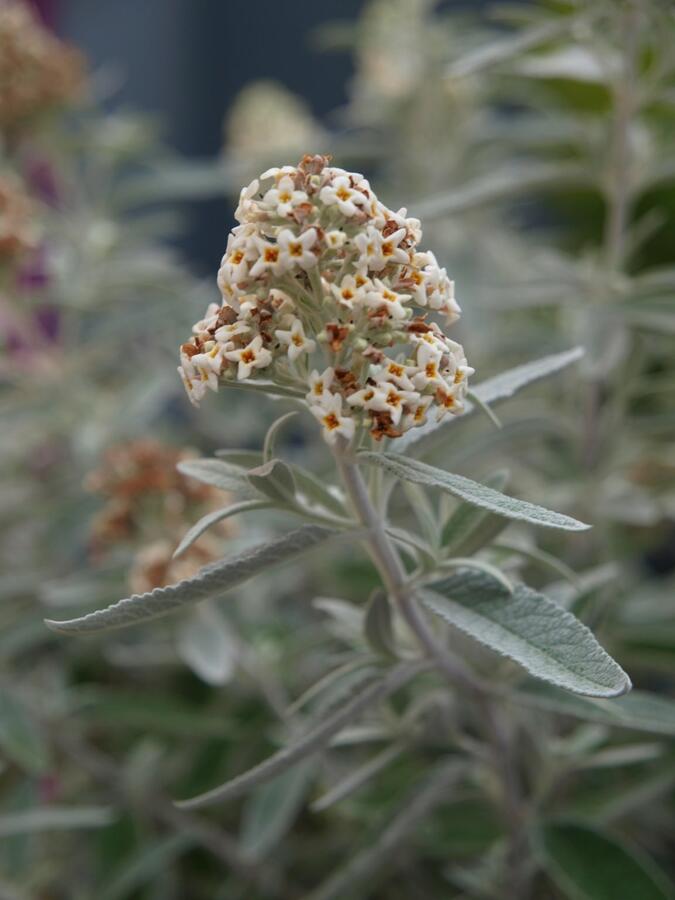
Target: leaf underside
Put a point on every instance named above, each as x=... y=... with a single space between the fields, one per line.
x=211 y=581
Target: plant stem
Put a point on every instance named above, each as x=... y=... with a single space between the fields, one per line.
x=393 y=575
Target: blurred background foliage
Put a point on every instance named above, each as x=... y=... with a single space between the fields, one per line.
x=534 y=141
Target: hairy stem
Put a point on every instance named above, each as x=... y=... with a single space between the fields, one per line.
x=393 y=575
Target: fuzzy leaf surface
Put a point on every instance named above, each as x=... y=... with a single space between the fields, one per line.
x=211 y=581
x=527 y=627
x=471 y=491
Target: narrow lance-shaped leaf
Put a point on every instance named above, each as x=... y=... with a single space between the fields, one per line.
x=211 y=581
x=272 y=809
x=219 y=474
x=500 y=387
x=586 y=864
x=471 y=491
x=637 y=711
x=213 y=518
x=527 y=627
x=314 y=740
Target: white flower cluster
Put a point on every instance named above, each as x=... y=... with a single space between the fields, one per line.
x=319 y=268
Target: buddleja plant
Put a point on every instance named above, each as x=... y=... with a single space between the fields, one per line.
x=329 y=303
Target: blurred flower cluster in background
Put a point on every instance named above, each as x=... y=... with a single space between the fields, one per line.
x=534 y=141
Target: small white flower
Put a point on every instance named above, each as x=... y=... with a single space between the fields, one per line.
x=335 y=239
x=253 y=356
x=278 y=172
x=382 y=296
x=269 y=259
x=284 y=197
x=396 y=399
x=296 y=340
x=348 y=200
x=319 y=383
x=418 y=415
x=371 y=397
x=209 y=320
x=329 y=414
x=396 y=372
x=428 y=359
x=247 y=206
x=296 y=250
x=349 y=292
x=226 y=333
x=368 y=245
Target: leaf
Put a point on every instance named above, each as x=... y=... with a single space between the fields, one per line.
x=206 y=645
x=272 y=809
x=273 y=433
x=357 y=778
x=147 y=865
x=275 y=480
x=312 y=741
x=213 y=518
x=219 y=474
x=470 y=528
x=501 y=387
x=55 y=818
x=547 y=641
x=470 y=491
x=638 y=711
x=210 y=581
x=501 y=50
x=20 y=739
x=587 y=864
x=515 y=178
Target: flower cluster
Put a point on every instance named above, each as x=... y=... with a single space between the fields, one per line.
x=37 y=71
x=320 y=269
x=148 y=502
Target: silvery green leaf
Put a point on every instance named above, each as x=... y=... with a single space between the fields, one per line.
x=272 y=808
x=377 y=624
x=573 y=63
x=409 y=541
x=470 y=491
x=210 y=582
x=489 y=54
x=544 y=559
x=547 y=641
x=347 y=616
x=20 y=738
x=478 y=565
x=273 y=433
x=213 y=518
x=312 y=741
x=312 y=489
x=55 y=818
x=470 y=528
x=274 y=479
x=588 y=864
x=245 y=459
x=356 y=779
x=205 y=644
x=638 y=711
x=219 y=474
x=499 y=184
x=500 y=387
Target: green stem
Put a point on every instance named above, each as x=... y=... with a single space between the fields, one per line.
x=394 y=578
